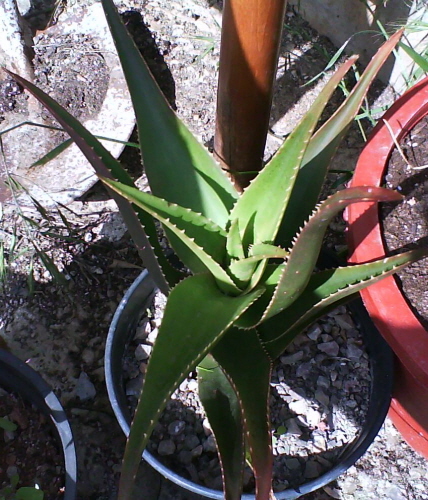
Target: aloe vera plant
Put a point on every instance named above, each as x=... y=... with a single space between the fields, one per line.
x=253 y=284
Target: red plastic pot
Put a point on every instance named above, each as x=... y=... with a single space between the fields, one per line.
x=384 y=300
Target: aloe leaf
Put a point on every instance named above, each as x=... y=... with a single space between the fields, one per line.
x=261 y=207
x=269 y=251
x=234 y=247
x=324 y=291
x=223 y=411
x=140 y=226
x=179 y=169
x=248 y=366
x=197 y=314
x=304 y=254
x=244 y=270
x=190 y=228
x=323 y=146
x=205 y=233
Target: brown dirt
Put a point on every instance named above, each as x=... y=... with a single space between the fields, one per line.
x=31 y=451
x=406 y=224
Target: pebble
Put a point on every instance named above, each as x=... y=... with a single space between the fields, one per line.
x=142 y=352
x=85 y=389
x=304 y=370
x=291 y=359
x=166 y=447
x=299 y=407
x=312 y=469
x=88 y=356
x=209 y=444
x=292 y=463
x=176 y=427
x=329 y=348
x=134 y=386
x=314 y=331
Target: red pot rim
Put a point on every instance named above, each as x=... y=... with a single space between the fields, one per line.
x=384 y=300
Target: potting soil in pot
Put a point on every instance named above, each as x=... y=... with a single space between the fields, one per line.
x=319 y=397
x=31 y=450
x=407 y=222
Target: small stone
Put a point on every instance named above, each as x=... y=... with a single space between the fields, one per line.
x=349 y=487
x=304 y=370
x=191 y=442
x=323 y=382
x=314 y=331
x=210 y=445
x=313 y=417
x=185 y=457
x=134 y=386
x=299 y=407
x=143 y=330
x=197 y=451
x=292 y=463
x=85 y=389
x=330 y=348
x=207 y=427
x=353 y=352
x=166 y=447
x=11 y=471
x=152 y=335
x=345 y=321
x=142 y=352
x=88 y=356
x=176 y=427
x=291 y=359
x=312 y=469
x=333 y=492
x=319 y=442
x=192 y=385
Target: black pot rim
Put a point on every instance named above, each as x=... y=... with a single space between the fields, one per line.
x=17 y=376
x=126 y=318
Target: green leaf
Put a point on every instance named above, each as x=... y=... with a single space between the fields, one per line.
x=247 y=364
x=223 y=411
x=197 y=314
x=199 y=234
x=28 y=493
x=249 y=271
x=179 y=169
x=421 y=61
x=106 y=165
x=323 y=146
x=304 y=254
x=261 y=207
x=234 y=247
x=324 y=291
x=7 y=425
x=51 y=267
x=268 y=251
x=51 y=155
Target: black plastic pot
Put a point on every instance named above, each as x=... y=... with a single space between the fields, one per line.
x=18 y=377
x=125 y=320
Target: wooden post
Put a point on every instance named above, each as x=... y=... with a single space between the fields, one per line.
x=251 y=35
